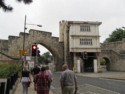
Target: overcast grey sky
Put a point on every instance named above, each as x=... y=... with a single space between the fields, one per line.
x=48 y=13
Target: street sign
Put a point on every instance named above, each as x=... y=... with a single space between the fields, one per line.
x=22 y=52
x=28 y=58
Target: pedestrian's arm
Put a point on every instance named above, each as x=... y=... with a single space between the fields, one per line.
x=30 y=77
x=61 y=84
x=35 y=82
x=21 y=77
x=75 y=82
x=32 y=72
x=61 y=81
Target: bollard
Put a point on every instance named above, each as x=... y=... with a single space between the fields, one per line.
x=2 y=88
x=8 y=86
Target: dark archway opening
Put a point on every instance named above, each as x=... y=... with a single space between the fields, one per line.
x=105 y=62
x=88 y=62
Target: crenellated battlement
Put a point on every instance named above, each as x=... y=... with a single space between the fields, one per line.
x=39 y=33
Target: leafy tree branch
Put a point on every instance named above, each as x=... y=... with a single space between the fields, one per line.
x=6 y=7
x=117 y=35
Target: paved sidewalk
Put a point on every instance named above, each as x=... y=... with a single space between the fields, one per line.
x=106 y=75
x=30 y=89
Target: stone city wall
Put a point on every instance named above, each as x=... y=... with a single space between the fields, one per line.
x=118 y=46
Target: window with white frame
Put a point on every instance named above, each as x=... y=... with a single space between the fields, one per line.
x=85 y=28
x=85 y=41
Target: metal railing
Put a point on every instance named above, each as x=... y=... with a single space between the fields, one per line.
x=6 y=86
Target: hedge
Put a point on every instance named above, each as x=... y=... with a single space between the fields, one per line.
x=6 y=70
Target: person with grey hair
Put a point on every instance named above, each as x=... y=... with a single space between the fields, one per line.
x=68 y=80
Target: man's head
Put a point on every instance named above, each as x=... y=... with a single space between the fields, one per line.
x=47 y=67
x=43 y=68
x=65 y=66
x=36 y=65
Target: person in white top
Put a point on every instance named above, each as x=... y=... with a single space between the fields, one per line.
x=25 y=80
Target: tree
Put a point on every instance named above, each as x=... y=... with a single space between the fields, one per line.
x=102 y=62
x=45 y=58
x=117 y=35
x=10 y=8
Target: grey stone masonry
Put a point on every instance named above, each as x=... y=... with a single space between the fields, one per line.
x=15 y=43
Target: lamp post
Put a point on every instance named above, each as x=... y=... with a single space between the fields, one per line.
x=25 y=30
x=25 y=34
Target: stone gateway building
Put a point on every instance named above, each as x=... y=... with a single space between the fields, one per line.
x=81 y=44
x=78 y=45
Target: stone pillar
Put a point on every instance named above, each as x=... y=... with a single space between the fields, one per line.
x=95 y=65
x=98 y=60
x=78 y=66
x=65 y=43
x=82 y=65
x=75 y=62
x=67 y=56
x=61 y=31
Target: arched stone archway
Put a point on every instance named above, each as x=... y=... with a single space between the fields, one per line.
x=107 y=63
x=106 y=56
x=39 y=37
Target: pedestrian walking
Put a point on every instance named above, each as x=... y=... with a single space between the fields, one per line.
x=25 y=79
x=49 y=73
x=26 y=65
x=42 y=82
x=34 y=72
x=68 y=81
